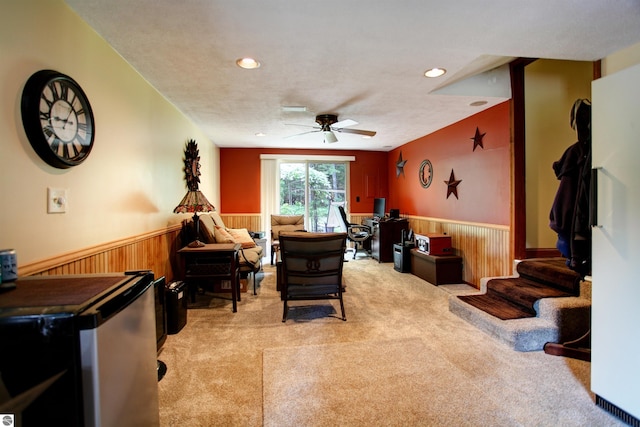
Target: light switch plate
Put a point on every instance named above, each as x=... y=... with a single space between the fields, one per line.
x=56 y=200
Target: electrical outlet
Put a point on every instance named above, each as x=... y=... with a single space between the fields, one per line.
x=56 y=200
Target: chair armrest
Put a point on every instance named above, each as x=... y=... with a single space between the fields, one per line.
x=358 y=228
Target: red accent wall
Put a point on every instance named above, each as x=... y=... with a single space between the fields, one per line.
x=484 y=193
x=240 y=177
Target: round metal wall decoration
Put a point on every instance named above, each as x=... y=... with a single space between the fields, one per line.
x=425 y=173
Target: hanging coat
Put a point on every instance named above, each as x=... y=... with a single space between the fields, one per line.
x=569 y=216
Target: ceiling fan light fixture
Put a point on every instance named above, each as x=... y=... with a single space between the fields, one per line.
x=248 y=63
x=329 y=137
x=435 y=72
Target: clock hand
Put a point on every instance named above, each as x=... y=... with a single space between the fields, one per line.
x=67 y=119
x=64 y=121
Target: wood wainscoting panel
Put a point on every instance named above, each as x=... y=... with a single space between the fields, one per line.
x=484 y=248
x=252 y=222
x=358 y=218
x=155 y=251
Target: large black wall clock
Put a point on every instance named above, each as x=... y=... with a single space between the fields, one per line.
x=57 y=119
x=425 y=173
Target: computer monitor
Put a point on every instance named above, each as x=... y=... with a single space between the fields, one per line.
x=379 y=207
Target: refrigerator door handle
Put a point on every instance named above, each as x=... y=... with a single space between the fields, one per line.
x=593 y=198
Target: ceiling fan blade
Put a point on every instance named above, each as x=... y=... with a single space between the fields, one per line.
x=303 y=133
x=306 y=126
x=344 y=123
x=356 y=131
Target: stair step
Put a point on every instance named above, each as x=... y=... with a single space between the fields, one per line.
x=525 y=334
x=556 y=320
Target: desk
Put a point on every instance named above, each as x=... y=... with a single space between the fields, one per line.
x=385 y=234
x=213 y=261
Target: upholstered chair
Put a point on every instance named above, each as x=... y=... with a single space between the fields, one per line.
x=280 y=223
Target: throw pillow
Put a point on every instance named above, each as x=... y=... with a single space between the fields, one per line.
x=241 y=235
x=222 y=236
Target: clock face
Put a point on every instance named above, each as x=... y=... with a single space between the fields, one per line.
x=425 y=174
x=57 y=119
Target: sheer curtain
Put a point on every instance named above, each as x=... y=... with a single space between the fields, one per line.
x=270 y=194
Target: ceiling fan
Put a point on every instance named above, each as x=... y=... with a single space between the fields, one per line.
x=328 y=124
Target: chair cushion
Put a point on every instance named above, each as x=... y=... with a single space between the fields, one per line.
x=241 y=235
x=280 y=223
x=207 y=229
x=217 y=219
x=251 y=256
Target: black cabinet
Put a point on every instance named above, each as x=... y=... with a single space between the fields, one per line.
x=385 y=235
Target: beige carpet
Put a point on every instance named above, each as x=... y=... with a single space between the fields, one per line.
x=398 y=382
x=401 y=358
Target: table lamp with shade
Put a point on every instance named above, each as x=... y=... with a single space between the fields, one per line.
x=194 y=201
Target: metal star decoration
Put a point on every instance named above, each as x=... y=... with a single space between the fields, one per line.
x=452 y=185
x=400 y=166
x=477 y=139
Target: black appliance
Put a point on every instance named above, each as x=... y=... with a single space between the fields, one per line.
x=80 y=350
x=176 y=294
x=402 y=257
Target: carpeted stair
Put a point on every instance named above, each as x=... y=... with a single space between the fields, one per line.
x=544 y=302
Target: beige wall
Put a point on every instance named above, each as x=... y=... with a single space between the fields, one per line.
x=133 y=177
x=622 y=59
x=551 y=88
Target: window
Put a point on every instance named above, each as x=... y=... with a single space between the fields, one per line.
x=313 y=189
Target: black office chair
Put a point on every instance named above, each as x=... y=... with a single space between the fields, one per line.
x=356 y=233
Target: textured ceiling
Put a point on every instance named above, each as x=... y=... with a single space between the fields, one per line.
x=361 y=59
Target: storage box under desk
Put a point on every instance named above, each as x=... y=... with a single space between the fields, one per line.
x=438 y=270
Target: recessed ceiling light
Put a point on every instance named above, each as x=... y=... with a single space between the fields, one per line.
x=261 y=134
x=435 y=72
x=247 y=63
x=477 y=103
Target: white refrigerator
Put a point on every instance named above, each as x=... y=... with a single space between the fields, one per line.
x=615 y=358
